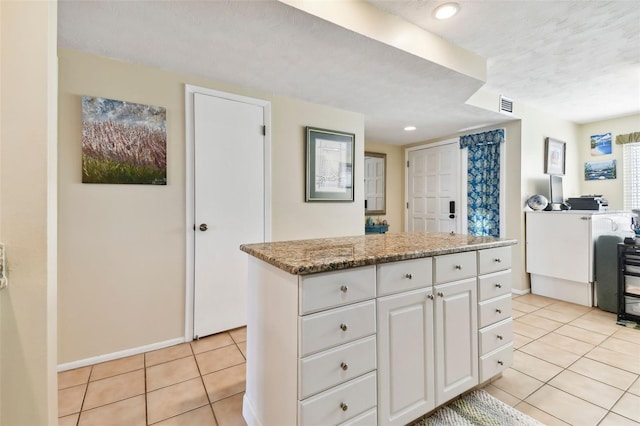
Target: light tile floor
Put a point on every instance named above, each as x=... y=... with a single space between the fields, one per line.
x=572 y=366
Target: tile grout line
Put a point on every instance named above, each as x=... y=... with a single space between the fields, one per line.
x=215 y=418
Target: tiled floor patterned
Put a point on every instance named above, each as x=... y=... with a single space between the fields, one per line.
x=572 y=366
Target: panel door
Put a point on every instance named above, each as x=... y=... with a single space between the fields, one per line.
x=456 y=338
x=229 y=208
x=374 y=183
x=405 y=357
x=434 y=182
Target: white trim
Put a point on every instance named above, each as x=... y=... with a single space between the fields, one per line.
x=464 y=200
x=462 y=195
x=120 y=354
x=503 y=186
x=190 y=182
x=521 y=292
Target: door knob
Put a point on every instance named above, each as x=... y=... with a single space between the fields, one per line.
x=203 y=227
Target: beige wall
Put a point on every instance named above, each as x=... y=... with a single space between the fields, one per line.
x=122 y=247
x=395 y=177
x=611 y=189
x=28 y=90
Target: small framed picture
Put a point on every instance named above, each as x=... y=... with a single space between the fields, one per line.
x=554 y=153
x=601 y=144
x=329 y=165
x=600 y=170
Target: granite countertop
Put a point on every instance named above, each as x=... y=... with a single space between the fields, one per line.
x=329 y=254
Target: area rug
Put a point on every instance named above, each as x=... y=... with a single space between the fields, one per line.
x=477 y=408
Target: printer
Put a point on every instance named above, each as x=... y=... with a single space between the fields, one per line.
x=588 y=202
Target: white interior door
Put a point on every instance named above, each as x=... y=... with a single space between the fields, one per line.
x=374 y=183
x=229 y=210
x=433 y=183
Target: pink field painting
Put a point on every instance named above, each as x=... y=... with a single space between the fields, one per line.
x=123 y=142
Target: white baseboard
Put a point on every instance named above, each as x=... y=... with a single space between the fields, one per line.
x=121 y=354
x=520 y=292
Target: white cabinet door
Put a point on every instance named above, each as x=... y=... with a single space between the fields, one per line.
x=559 y=245
x=405 y=357
x=456 y=338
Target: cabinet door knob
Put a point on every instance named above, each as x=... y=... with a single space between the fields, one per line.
x=497 y=260
x=408 y=276
x=499 y=337
x=430 y=296
x=344 y=406
x=500 y=362
x=498 y=285
x=458 y=267
x=203 y=227
x=498 y=311
x=344 y=288
x=441 y=294
x=343 y=327
x=344 y=366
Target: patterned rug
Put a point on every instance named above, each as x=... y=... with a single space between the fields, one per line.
x=477 y=409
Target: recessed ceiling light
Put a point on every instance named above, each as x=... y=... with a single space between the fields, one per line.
x=446 y=10
x=410 y=128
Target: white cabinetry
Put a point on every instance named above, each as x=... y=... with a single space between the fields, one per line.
x=456 y=322
x=560 y=250
x=378 y=344
x=495 y=333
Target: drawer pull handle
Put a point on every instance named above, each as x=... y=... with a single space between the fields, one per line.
x=498 y=311
x=344 y=288
x=441 y=294
x=497 y=259
x=344 y=366
x=344 y=406
x=499 y=337
x=408 y=276
x=458 y=267
x=500 y=362
x=343 y=327
x=430 y=296
x=498 y=285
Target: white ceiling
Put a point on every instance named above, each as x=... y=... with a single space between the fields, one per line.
x=577 y=59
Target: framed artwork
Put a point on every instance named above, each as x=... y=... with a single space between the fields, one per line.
x=601 y=144
x=123 y=142
x=329 y=174
x=600 y=170
x=554 y=154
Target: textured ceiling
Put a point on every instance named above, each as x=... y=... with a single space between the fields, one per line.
x=583 y=69
x=577 y=59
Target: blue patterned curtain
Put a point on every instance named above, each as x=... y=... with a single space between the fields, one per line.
x=483 y=182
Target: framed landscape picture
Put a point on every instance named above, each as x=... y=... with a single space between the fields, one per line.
x=123 y=142
x=601 y=144
x=600 y=170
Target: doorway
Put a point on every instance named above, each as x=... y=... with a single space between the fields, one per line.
x=433 y=188
x=228 y=204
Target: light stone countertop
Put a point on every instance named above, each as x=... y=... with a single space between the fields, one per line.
x=303 y=257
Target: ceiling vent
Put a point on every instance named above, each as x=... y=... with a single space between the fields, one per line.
x=506 y=105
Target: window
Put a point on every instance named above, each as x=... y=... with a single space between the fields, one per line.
x=631 y=176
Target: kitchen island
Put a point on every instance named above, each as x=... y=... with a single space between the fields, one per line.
x=373 y=329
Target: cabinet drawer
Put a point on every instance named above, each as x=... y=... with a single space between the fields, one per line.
x=496 y=362
x=495 y=259
x=494 y=285
x=336 y=326
x=367 y=418
x=496 y=335
x=339 y=404
x=453 y=267
x=331 y=289
x=632 y=284
x=405 y=275
x=329 y=368
x=494 y=310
